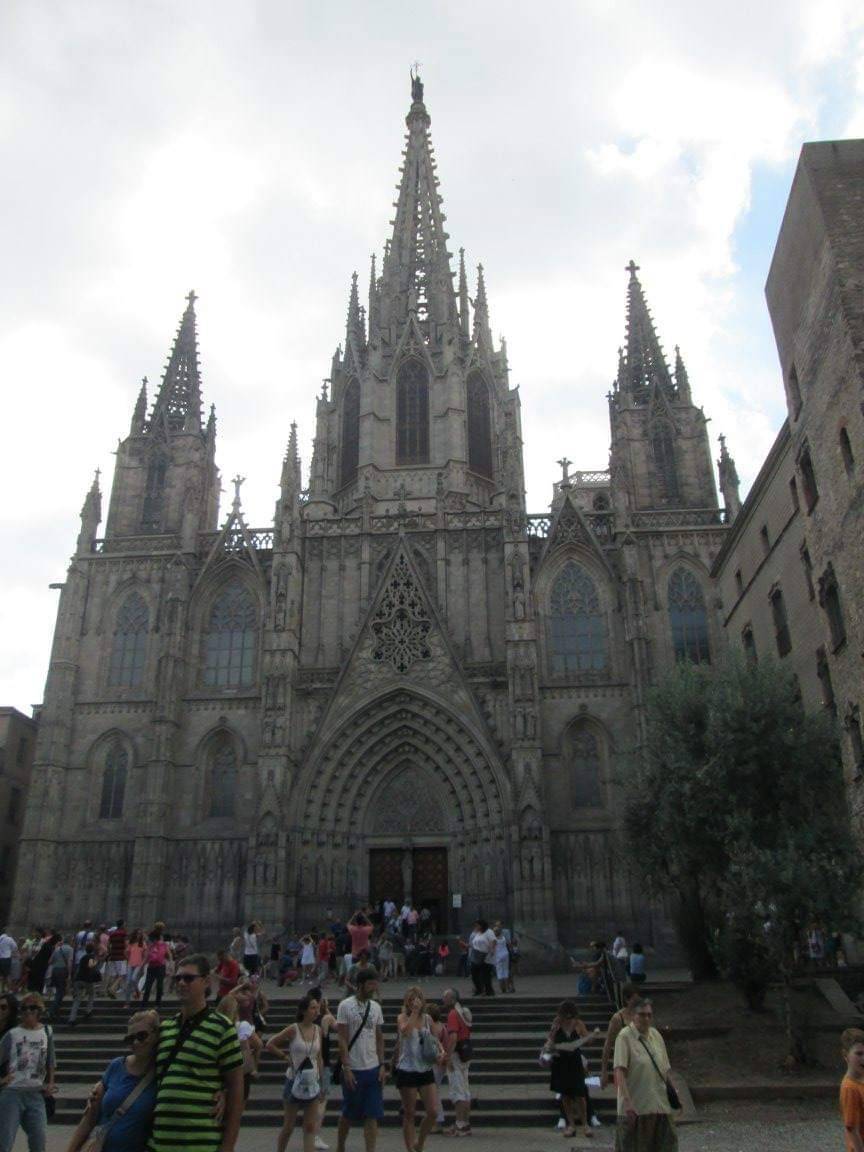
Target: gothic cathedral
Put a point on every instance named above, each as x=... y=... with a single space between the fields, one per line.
x=408 y=685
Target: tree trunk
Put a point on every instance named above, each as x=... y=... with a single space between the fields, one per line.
x=796 y=1053
x=693 y=932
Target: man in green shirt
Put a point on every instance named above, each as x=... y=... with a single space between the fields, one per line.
x=198 y=1054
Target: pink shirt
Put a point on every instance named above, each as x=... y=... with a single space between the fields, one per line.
x=157 y=952
x=136 y=955
x=359 y=934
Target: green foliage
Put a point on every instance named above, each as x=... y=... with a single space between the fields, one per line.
x=739 y=806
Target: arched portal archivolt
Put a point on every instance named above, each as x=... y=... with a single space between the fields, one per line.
x=406 y=803
x=398 y=728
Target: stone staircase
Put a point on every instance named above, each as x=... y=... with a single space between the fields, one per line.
x=508 y=1084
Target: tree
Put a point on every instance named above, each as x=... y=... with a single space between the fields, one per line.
x=738 y=804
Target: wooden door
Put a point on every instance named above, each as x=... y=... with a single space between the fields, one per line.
x=385 y=876
x=429 y=881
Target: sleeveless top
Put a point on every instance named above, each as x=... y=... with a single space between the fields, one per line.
x=410 y=1059
x=299 y=1049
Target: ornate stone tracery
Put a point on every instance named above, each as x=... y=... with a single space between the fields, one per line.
x=401 y=624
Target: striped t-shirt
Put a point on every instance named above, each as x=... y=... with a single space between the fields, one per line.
x=184 y=1099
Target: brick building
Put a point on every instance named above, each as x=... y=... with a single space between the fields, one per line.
x=791 y=572
x=17 y=747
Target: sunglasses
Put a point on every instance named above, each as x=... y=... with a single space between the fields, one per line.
x=136 y=1037
x=188 y=977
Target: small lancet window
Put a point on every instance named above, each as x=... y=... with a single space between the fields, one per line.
x=154 y=493
x=222 y=798
x=350 y=456
x=663 y=450
x=126 y=668
x=688 y=618
x=114 y=782
x=584 y=759
x=231 y=639
x=412 y=414
x=479 y=426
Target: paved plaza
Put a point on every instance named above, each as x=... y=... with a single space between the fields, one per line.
x=807 y=1126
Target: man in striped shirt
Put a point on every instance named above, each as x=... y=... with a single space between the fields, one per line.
x=198 y=1054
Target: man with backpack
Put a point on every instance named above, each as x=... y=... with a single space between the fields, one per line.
x=86 y=976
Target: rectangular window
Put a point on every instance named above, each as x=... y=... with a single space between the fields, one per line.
x=856 y=740
x=829 y=596
x=13 y=810
x=808 y=571
x=6 y=862
x=739 y=583
x=781 y=623
x=21 y=752
x=824 y=674
x=749 y=644
x=793 y=492
x=763 y=536
x=808 y=479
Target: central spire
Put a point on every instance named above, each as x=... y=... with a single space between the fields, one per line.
x=416 y=275
x=643 y=370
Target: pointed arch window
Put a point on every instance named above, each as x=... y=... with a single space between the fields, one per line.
x=114 y=775
x=231 y=639
x=688 y=618
x=577 y=626
x=663 y=449
x=350 y=456
x=222 y=790
x=154 y=493
x=412 y=414
x=479 y=426
x=585 y=764
x=128 y=647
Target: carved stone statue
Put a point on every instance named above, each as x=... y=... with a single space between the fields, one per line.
x=407 y=873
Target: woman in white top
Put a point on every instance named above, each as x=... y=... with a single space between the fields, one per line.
x=303 y=1054
x=415 y=1071
x=307 y=957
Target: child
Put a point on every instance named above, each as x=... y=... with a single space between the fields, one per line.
x=443 y=954
x=852 y=1089
x=637 y=964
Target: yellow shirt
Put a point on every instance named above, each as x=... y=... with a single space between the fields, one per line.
x=646 y=1088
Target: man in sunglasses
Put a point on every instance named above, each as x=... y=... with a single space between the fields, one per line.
x=189 y=1073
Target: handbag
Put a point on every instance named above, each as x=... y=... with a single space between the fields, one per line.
x=305 y=1085
x=337 y=1071
x=428 y=1047
x=96 y=1140
x=671 y=1095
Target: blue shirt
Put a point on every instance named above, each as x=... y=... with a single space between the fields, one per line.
x=637 y=964
x=129 y=1132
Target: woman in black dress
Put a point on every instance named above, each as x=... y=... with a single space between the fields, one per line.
x=564 y=1043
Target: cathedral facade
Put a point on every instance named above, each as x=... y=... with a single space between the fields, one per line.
x=409 y=684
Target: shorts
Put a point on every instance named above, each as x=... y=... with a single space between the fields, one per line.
x=116 y=968
x=5 y=967
x=366 y=1100
x=413 y=1079
x=326 y=1081
x=251 y=963
x=459 y=1089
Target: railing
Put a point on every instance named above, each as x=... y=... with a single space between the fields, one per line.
x=601 y=524
x=154 y=543
x=677 y=518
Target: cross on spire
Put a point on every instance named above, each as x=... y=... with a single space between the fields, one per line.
x=564 y=465
x=192 y=298
x=237 y=481
x=632 y=268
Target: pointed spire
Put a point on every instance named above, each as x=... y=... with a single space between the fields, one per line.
x=416 y=267
x=291 y=477
x=373 y=298
x=464 y=315
x=178 y=403
x=682 y=380
x=353 y=325
x=482 y=331
x=91 y=516
x=728 y=482
x=645 y=370
x=139 y=416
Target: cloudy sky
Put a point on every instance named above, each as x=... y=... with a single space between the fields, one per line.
x=250 y=150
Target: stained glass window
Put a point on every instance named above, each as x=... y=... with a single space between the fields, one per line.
x=126 y=668
x=412 y=414
x=664 y=462
x=479 y=426
x=585 y=765
x=688 y=618
x=231 y=639
x=350 y=433
x=114 y=782
x=577 y=627
x=154 y=494
x=223 y=778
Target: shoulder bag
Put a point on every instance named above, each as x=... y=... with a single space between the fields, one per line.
x=96 y=1140
x=671 y=1095
x=337 y=1071
x=429 y=1048
x=305 y=1084
x=179 y=1043
x=464 y=1049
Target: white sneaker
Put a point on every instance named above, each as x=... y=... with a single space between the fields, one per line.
x=596 y=1122
x=562 y=1124
x=319 y=1143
